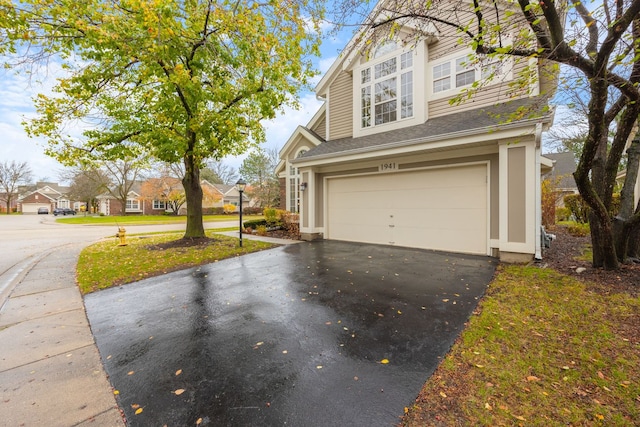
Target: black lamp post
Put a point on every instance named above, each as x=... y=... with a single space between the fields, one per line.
x=240 y=185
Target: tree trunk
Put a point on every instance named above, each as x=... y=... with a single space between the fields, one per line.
x=193 y=192
x=623 y=233
x=8 y=204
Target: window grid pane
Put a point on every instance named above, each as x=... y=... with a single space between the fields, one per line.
x=441 y=85
x=442 y=70
x=385 y=68
x=386 y=112
x=366 y=106
x=366 y=75
x=466 y=78
x=385 y=90
x=406 y=95
x=406 y=60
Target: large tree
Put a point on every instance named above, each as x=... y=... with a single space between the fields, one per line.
x=258 y=169
x=183 y=81
x=122 y=176
x=12 y=174
x=86 y=184
x=601 y=41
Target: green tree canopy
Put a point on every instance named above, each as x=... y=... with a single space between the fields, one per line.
x=180 y=81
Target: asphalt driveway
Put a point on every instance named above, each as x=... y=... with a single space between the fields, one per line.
x=297 y=335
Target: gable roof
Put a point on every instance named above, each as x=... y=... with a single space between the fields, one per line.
x=564 y=165
x=481 y=120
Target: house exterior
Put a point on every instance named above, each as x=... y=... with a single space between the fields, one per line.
x=48 y=195
x=146 y=197
x=387 y=159
x=564 y=165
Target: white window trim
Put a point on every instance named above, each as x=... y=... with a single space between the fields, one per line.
x=133 y=205
x=506 y=74
x=159 y=205
x=419 y=52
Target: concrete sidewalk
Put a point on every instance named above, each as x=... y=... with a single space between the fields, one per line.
x=51 y=373
x=50 y=369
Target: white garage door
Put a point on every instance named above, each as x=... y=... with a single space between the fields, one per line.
x=443 y=209
x=33 y=207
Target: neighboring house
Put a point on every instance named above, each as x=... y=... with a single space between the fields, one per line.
x=141 y=201
x=564 y=165
x=135 y=205
x=48 y=195
x=229 y=195
x=388 y=160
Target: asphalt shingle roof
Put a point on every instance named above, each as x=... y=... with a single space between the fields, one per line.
x=479 y=118
x=564 y=166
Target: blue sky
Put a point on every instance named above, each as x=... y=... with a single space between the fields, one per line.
x=18 y=90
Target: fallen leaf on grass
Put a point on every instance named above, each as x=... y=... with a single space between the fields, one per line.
x=519 y=417
x=533 y=378
x=600 y=375
x=442 y=393
x=488 y=407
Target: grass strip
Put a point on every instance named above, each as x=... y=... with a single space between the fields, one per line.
x=105 y=264
x=541 y=350
x=145 y=219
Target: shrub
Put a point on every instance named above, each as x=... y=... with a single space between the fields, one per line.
x=274 y=216
x=254 y=223
x=581 y=210
x=548 y=202
x=261 y=230
x=578 y=207
x=563 y=214
x=291 y=224
x=579 y=229
x=218 y=210
x=229 y=208
x=252 y=210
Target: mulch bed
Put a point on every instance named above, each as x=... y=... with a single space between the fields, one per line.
x=561 y=256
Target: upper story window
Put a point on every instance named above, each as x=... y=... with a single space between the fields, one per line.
x=386 y=89
x=463 y=71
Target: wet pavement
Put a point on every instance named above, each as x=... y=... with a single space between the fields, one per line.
x=296 y=335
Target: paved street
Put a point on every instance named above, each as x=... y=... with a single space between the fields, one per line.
x=50 y=369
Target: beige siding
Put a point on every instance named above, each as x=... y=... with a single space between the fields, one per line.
x=341 y=107
x=320 y=127
x=517 y=194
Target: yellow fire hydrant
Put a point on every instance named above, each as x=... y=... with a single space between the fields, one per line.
x=122 y=235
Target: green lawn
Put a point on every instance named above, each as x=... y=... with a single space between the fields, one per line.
x=145 y=219
x=106 y=264
x=541 y=350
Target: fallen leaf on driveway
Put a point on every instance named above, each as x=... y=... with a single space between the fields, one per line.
x=138 y=411
x=384 y=361
x=130 y=372
x=179 y=371
x=179 y=391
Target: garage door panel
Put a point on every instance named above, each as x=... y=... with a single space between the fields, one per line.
x=444 y=209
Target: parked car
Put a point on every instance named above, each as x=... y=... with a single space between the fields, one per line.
x=43 y=211
x=63 y=211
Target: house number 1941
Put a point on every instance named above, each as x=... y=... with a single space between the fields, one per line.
x=388 y=166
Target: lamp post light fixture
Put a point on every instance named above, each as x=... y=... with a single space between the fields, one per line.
x=240 y=186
